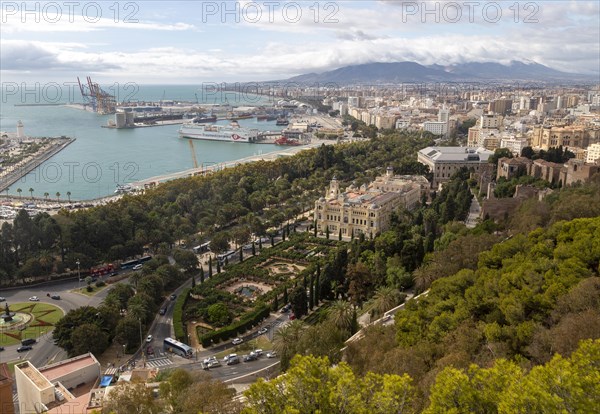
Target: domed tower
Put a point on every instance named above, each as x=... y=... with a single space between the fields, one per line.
x=334 y=188
x=389 y=172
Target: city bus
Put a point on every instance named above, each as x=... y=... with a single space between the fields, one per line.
x=204 y=247
x=144 y=259
x=179 y=348
x=221 y=258
x=129 y=264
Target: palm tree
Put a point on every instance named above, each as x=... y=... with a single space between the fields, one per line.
x=285 y=340
x=69 y=196
x=46 y=194
x=385 y=298
x=19 y=191
x=31 y=192
x=58 y=196
x=341 y=314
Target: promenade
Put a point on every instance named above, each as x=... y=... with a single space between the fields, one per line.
x=13 y=173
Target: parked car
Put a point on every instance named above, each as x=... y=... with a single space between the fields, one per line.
x=271 y=354
x=263 y=331
x=28 y=341
x=162 y=311
x=214 y=363
x=149 y=338
x=2 y=299
x=24 y=348
x=34 y=299
x=173 y=296
x=237 y=341
x=55 y=297
x=1 y=348
x=137 y=266
x=257 y=352
x=233 y=360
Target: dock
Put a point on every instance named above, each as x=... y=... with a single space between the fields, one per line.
x=13 y=173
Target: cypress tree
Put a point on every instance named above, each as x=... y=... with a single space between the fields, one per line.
x=327 y=232
x=210 y=267
x=315 y=229
x=201 y=274
x=253 y=249
x=340 y=235
x=285 y=296
x=218 y=267
x=241 y=254
x=317 y=285
x=275 y=304
x=311 y=290
x=272 y=242
x=260 y=243
x=193 y=282
x=226 y=260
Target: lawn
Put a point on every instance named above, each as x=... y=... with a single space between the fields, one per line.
x=95 y=290
x=44 y=316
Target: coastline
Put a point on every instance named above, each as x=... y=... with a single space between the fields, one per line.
x=14 y=174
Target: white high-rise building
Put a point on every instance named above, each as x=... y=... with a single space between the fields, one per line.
x=593 y=153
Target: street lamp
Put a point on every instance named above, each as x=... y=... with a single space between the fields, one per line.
x=78 y=274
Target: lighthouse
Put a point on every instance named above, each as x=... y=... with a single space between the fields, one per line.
x=20 y=133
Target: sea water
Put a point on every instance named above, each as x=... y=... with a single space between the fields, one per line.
x=100 y=158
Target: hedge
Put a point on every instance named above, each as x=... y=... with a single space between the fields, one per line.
x=178 y=326
x=247 y=321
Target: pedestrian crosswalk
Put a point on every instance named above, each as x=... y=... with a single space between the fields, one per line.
x=158 y=362
x=110 y=371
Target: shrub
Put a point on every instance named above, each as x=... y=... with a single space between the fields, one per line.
x=178 y=326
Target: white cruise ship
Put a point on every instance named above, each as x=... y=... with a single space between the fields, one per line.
x=231 y=133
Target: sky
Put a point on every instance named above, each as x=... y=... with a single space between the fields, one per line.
x=183 y=42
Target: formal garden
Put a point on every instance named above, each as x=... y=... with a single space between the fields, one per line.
x=243 y=294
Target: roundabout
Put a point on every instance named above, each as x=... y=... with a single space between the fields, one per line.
x=24 y=320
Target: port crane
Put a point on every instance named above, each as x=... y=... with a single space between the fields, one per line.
x=102 y=102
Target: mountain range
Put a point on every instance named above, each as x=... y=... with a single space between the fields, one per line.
x=399 y=72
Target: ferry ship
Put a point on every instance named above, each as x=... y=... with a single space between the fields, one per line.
x=231 y=133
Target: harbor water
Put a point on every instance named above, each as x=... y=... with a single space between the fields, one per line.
x=100 y=158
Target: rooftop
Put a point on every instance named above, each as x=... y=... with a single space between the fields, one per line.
x=456 y=154
x=62 y=368
x=34 y=375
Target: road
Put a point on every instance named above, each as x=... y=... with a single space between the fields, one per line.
x=45 y=352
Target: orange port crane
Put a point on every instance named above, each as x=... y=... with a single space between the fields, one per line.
x=102 y=102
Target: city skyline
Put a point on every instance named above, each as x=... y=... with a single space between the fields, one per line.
x=187 y=42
